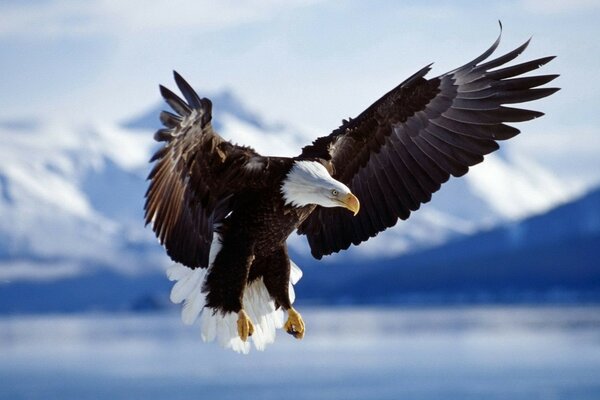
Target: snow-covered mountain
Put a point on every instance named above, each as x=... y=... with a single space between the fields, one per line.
x=548 y=257
x=71 y=196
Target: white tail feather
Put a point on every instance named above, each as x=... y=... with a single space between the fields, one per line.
x=192 y=306
x=186 y=286
x=177 y=272
x=209 y=326
x=261 y=310
x=257 y=302
x=291 y=293
x=295 y=273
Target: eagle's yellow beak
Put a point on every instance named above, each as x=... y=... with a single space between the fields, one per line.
x=351 y=203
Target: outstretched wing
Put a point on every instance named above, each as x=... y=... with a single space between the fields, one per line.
x=399 y=151
x=195 y=176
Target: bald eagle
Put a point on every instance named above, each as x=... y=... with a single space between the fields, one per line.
x=223 y=212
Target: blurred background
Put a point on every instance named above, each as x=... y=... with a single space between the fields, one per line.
x=490 y=290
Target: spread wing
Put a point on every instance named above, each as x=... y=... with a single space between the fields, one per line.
x=194 y=178
x=399 y=151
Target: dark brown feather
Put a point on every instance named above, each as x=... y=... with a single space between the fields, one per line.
x=194 y=177
x=399 y=151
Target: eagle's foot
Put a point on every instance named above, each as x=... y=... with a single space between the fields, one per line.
x=244 y=326
x=294 y=325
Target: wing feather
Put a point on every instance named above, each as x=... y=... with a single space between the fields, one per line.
x=175 y=102
x=188 y=92
x=195 y=175
x=402 y=148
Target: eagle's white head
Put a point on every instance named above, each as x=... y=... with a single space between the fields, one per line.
x=309 y=182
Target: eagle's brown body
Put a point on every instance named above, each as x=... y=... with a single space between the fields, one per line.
x=254 y=246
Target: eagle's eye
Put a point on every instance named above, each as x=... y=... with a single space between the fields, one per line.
x=335 y=192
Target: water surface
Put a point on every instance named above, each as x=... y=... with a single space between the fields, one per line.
x=353 y=353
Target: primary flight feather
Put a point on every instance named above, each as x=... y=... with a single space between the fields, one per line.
x=224 y=212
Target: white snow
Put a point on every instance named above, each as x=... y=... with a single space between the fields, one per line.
x=46 y=177
x=517 y=187
x=281 y=142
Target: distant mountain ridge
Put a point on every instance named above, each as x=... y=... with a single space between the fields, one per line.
x=71 y=196
x=224 y=102
x=551 y=257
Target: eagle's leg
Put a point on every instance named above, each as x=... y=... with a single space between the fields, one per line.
x=276 y=277
x=226 y=281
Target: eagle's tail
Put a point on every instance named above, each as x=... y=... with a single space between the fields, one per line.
x=257 y=303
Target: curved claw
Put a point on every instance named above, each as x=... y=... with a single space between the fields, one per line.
x=294 y=324
x=244 y=326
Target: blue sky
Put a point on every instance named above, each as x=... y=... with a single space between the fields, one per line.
x=308 y=62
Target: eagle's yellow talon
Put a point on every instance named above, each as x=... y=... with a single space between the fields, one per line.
x=244 y=326
x=294 y=325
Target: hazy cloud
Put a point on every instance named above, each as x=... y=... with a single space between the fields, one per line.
x=560 y=6
x=110 y=17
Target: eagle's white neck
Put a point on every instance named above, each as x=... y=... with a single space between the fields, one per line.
x=308 y=182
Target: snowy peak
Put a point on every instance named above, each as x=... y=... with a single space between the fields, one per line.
x=53 y=203
x=233 y=120
x=516 y=187
x=224 y=103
